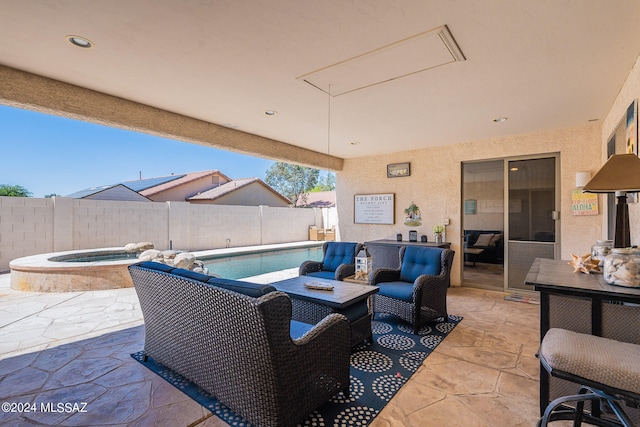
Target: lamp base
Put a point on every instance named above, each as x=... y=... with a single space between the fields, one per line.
x=622 y=237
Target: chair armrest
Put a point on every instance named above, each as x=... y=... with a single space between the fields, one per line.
x=384 y=275
x=426 y=287
x=334 y=327
x=345 y=270
x=309 y=267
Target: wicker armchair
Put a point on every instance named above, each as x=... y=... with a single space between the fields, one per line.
x=339 y=261
x=240 y=348
x=417 y=291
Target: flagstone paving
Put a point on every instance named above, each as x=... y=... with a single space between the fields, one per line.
x=73 y=349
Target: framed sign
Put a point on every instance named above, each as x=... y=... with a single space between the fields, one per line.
x=374 y=209
x=398 y=169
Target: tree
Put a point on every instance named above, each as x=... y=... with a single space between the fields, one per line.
x=292 y=181
x=14 y=191
x=326 y=183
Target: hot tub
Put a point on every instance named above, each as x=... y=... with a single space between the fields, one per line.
x=73 y=271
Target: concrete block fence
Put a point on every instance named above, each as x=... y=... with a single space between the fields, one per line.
x=30 y=226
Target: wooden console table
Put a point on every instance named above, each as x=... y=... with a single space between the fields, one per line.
x=386 y=253
x=582 y=303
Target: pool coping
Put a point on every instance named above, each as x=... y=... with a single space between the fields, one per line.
x=242 y=250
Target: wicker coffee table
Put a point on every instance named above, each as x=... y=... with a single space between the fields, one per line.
x=311 y=305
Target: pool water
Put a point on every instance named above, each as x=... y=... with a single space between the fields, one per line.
x=247 y=265
x=95 y=257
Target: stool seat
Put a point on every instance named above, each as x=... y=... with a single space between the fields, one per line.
x=607 y=371
x=612 y=363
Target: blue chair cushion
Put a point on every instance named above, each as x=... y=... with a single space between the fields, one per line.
x=397 y=290
x=254 y=290
x=298 y=329
x=419 y=261
x=323 y=274
x=339 y=253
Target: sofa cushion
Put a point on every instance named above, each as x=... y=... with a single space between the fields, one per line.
x=496 y=238
x=190 y=274
x=298 y=329
x=338 y=253
x=419 y=261
x=397 y=290
x=254 y=290
x=484 y=239
x=331 y=275
x=156 y=266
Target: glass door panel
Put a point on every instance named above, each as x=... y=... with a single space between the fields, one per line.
x=532 y=216
x=483 y=224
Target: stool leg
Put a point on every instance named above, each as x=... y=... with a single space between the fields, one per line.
x=622 y=416
x=547 y=417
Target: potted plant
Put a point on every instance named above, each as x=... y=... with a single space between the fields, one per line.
x=438 y=229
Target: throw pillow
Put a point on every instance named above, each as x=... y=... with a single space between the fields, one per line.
x=483 y=240
x=496 y=238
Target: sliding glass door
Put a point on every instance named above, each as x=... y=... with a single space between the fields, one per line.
x=509 y=219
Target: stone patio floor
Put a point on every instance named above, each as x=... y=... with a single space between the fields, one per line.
x=74 y=349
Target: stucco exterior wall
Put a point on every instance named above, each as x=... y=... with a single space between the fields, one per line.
x=435 y=185
x=630 y=91
x=189 y=189
x=254 y=194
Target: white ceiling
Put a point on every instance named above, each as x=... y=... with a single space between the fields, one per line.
x=543 y=64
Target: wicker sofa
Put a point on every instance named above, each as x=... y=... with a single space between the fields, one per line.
x=236 y=340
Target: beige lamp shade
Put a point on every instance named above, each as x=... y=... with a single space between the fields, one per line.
x=620 y=173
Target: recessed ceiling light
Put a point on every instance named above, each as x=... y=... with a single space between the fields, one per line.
x=80 y=41
x=271 y=112
x=354 y=143
x=500 y=120
x=513 y=169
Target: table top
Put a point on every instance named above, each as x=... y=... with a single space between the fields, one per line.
x=557 y=275
x=343 y=294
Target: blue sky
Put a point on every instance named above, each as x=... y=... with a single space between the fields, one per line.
x=49 y=154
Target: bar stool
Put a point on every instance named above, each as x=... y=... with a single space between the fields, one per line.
x=608 y=371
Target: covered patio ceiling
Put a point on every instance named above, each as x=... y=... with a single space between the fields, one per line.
x=392 y=75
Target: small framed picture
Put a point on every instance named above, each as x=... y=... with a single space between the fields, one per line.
x=398 y=169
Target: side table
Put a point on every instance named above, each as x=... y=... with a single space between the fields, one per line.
x=352 y=279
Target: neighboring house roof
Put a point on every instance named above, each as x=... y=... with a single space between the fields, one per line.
x=318 y=199
x=109 y=192
x=150 y=188
x=177 y=181
x=231 y=186
x=141 y=185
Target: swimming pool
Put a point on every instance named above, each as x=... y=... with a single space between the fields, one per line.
x=247 y=265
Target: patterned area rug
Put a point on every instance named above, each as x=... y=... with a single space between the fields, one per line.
x=378 y=371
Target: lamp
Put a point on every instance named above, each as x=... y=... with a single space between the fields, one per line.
x=363 y=264
x=619 y=175
x=582 y=178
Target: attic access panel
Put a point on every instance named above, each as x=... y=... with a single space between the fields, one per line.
x=412 y=55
